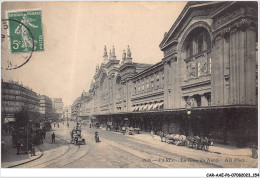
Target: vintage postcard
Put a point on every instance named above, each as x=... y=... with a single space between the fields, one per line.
x=119 y=84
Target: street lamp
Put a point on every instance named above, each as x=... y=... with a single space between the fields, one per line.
x=188 y=106
x=67 y=115
x=28 y=130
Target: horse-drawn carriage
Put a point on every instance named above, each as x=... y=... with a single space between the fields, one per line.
x=76 y=137
x=176 y=139
x=194 y=142
x=130 y=131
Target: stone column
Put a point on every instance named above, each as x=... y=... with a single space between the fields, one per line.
x=109 y=100
x=226 y=69
x=204 y=101
x=166 y=85
x=112 y=87
x=217 y=75
x=250 y=66
x=243 y=65
x=234 y=64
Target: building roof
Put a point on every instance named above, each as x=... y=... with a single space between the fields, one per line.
x=141 y=66
x=188 y=6
x=151 y=67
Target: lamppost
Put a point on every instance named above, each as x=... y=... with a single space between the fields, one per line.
x=188 y=111
x=67 y=116
x=27 y=134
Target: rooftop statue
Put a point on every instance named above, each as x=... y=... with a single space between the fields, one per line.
x=110 y=55
x=128 y=52
x=105 y=51
x=113 y=51
x=124 y=55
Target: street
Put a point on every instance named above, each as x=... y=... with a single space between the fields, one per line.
x=126 y=151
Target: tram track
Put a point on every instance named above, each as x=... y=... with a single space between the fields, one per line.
x=67 y=150
x=144 y=152
x=124 y=149
x=66 y=156
x=159 y=157
x=48 y=159
x=39 y=162
x=82 y=156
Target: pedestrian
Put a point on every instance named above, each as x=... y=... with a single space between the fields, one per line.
x=44 y=134
x=54 y=124
x=123 y=130
x=53 y=138
x=71 y=134
x=32 y=150
x=96 y=137
x=152 y=134
x=205 y=145
x=2 y=146
x=58 y=126
x=254 y=150
x=18 y=146
x=6 y=130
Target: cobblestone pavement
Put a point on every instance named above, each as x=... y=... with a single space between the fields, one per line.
x=126 y=151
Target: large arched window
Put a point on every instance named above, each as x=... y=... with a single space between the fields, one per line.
x=197 y=50
x=118 y=88
x=104 y=88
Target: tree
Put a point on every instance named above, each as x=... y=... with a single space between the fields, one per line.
x=24 y=117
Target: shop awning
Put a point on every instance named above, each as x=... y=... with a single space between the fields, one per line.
x=150 y=107
x=137 y=108
x=145 y=107
x=156 y=106
x=9 y=120
x=161 y=104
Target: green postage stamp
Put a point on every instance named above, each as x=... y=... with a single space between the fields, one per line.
x=25 y=31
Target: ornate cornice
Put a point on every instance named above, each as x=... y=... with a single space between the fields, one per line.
x=182 y=14
x=242 y=23
x=168 y=60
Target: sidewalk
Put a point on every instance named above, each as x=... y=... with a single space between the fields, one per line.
x=217 y=148
x=11 y=159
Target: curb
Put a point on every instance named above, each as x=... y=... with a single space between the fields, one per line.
x=27 y=161
x=215 y=151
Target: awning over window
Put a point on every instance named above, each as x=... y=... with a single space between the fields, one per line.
x=161 y=105
x=156 y=106
x=150 y=107
x=9 y=120
x=145 y=107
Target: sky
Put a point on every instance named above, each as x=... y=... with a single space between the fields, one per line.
x=74 y=37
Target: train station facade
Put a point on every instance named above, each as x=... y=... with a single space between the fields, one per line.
x=206 y=84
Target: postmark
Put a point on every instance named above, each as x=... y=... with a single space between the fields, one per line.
x=13 y=61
